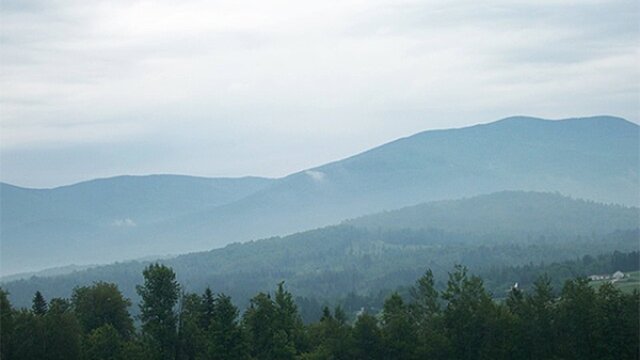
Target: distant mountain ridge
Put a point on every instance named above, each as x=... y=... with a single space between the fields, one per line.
x=361 y=257
x=593 y=158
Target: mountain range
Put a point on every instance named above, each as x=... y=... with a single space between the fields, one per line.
x=377 y=252
x=127 y=217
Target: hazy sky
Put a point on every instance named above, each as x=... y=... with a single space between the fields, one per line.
x=230 y=88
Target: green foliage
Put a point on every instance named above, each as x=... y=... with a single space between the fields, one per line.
x=274 y=327
x=367 y=338
x=159 y=295
x=460 y=322
x=6 y=326
x=39 y=306
x=398 y=329
x=102 y=304
x=225 y=337
x=104 y=343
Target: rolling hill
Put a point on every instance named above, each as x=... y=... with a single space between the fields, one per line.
x=354 y=257
x=593 y=158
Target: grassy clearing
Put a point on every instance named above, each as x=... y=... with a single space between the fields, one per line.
x=630 y=282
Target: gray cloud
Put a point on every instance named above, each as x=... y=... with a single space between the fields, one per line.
x=98 y=88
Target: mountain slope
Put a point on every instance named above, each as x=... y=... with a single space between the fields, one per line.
x=593 y=158
x=508 y=212
x=93 y=220
x=335 y=260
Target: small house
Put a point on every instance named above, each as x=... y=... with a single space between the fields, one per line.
x=617 y=275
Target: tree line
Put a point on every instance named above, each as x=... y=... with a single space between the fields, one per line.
x=461 y=321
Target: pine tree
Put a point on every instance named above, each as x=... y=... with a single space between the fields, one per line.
x=6 y=326
x=367 y=338
x=208 y=308
x=398 y=329
x=225 y=337
x=39 y=306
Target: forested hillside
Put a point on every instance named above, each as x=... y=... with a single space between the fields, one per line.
x=458 y=322
x=115 y=219
x=330 y=262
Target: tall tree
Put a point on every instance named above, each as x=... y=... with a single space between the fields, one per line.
x=288 y=321
x=191 y=336
x=470 y=318
x=159 y=296
x=6 y=326
x=426 y=311
x=103 y=343
x=208 y=308
x=367 y=338
x=225 y=337
x=39 y=306
x=578 y=321
x=398 y=329
x=259 y=323
x=63 y=331
x=102 y=304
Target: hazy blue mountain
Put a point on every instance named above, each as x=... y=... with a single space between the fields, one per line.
x=506 y=228
x=594 y=158
x=92 y=221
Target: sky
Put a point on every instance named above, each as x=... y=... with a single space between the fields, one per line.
x=94 y=89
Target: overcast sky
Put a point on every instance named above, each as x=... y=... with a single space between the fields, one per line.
x=230 y=88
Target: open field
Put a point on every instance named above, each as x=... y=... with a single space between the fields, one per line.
x=630 y=282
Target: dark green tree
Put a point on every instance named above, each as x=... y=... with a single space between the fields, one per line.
x=472 y=320
x=426 y=312
x=159 y=296
x=367 y=338
x=103 y=343
x=102 y=304
x=225 y=336
x=398 y=329
x=208 y=306
x=259 y=322
x=63 y=331
x=191 y=336
x=288 y=322
x=331 y=337
x=39 y=306
x=6 y=326
x=578 y=321
x=29 y=338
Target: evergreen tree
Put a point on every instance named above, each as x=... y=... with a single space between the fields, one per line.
x=225 y=337
x=159 y=295
x=367 y=338
x=468 y=316
x=426 y=313
x=39 y=306
x=288 y=320
x=259 y=322
x=191 y=337
x=6 y=326
x=208 y=306
x=578 y=321
x=398 y=329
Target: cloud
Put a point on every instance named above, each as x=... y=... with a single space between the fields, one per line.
x=218 y=82
x=317 y=176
